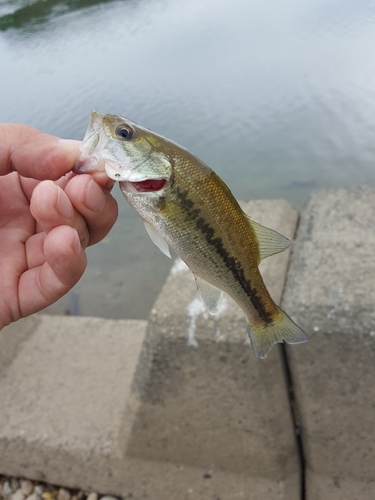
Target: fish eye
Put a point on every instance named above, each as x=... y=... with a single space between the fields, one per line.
x=123 y=132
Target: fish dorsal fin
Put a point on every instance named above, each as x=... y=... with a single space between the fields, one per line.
x=157 y=239
x=210 y=294
x=269 y=241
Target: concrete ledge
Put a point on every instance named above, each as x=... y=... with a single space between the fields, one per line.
x=186 y=411
x=64 y=394
x=330 y=291
x=204 y=399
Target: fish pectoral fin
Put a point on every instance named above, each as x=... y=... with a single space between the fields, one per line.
x=157 y=239
x=283 y=329
x=269 y=241
x=210 y=294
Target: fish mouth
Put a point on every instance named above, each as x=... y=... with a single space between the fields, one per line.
x=144 y=186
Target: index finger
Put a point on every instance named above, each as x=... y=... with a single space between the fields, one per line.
x=34 y=154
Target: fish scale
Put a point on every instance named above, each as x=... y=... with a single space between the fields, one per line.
x=224 y=252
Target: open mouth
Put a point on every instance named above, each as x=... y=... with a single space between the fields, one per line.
x=149 y=185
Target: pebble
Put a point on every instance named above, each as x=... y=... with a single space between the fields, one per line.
x=27 y=487
x=38 y=490
x=63 y=494
x=49 y=495
x=33 y=496
x=18 y=495
x=92 y=496
x=14 y=484
x=108 y=498
x=6 y=489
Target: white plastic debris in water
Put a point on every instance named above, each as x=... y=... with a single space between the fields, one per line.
x=194 y=309
x=197 y=307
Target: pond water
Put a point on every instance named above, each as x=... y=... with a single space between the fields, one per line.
x=277 y=97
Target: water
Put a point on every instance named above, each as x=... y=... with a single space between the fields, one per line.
x=277 y=97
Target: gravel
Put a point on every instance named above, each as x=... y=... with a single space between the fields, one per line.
x=12 y=488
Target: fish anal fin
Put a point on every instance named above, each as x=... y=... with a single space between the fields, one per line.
x=157 y=239
x=210 y=294
x=269 y=241
x=283 y=329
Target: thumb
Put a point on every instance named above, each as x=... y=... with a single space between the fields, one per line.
x=34 y=154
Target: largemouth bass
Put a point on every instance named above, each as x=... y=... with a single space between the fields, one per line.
x=186 y=206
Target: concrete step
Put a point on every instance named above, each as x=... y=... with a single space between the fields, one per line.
x=64 y=395
x=181 y=411
x=330 y=292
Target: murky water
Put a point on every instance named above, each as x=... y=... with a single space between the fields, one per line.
x=277 y=97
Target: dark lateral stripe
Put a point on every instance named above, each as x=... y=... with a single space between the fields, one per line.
x=231 y=263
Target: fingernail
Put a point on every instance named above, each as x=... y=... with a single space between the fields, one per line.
x=70 y=142
x=77 y=247
x=95 y=198
x=63 y=205
x=70 y=148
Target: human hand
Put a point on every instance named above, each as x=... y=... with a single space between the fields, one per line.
x=47 y=219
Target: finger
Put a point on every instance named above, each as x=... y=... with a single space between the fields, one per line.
x=65 y=262
x=94 y=203
x=14 y=208
x=102 y=179
x=34 y=154
x=28 y=185
x=34 y=249
x=51 y=207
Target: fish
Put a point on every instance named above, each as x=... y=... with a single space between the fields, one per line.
x=186 y=206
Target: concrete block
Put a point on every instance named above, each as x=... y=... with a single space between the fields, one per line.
x=186 y=411
x=11 y=339
x=66 y=415
x=204 y=399
x=330 y=292
x=64 y=392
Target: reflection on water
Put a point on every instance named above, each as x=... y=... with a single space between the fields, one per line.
x=29 y=15
x=278 y=98
x=308 y=184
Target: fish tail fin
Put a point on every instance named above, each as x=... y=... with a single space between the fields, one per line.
x=283 y=329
